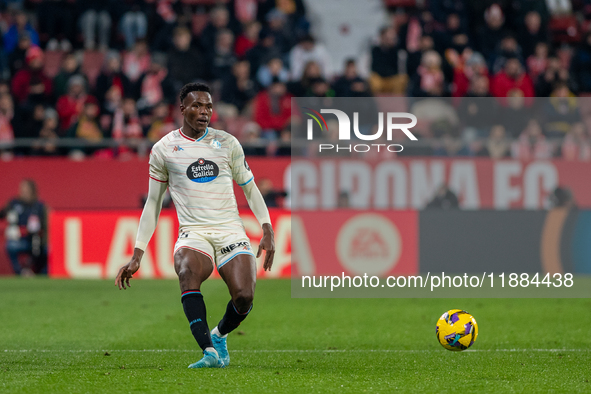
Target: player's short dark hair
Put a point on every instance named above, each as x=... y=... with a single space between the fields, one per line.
x=193 y=87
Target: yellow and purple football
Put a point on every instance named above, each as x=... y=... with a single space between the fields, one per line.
x=456 y=330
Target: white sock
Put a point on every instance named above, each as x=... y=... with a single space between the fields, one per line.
x=217 y=332
x=212 y=350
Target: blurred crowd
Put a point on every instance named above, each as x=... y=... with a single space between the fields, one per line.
x=94 y=71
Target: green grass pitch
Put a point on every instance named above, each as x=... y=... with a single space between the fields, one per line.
x=60 y=336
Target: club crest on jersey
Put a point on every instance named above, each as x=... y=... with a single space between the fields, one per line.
x=203 y=171
x=177 y=148
x=216 y=144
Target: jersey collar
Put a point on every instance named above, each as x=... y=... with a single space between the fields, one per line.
x=193 y=139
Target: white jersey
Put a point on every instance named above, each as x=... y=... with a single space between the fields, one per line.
x=199 y=174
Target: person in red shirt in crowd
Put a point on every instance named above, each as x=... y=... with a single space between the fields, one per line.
x=532 y=144
x=31 y=83
x=248 y=39
x=513 y=77
x=70 y=105
x=272 y=109
x=467 y=67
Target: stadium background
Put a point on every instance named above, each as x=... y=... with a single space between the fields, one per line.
x=89 y=86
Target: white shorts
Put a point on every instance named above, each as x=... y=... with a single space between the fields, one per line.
x=220 y=247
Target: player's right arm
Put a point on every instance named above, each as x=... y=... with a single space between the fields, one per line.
x=149 y=218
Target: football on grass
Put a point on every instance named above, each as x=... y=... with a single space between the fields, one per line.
x=456 y=330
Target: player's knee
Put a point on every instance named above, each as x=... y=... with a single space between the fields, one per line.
x=243 y=300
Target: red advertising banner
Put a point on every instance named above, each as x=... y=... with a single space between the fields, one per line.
x=95 y=244
x=412 y=183
x=355 y=243
x=405 y=183
x=104 y=184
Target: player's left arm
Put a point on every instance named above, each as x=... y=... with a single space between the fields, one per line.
x=244 y=177
x=259 y=208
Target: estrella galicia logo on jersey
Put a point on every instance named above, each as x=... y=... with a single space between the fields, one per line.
x=246 y=165
x=231 y=247
x=203 y=171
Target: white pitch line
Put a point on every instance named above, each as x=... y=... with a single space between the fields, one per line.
x=281 y=350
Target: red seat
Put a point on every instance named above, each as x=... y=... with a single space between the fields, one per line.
x=53 y=62
x=400 y=3
x=92 y=63
x=565 y=29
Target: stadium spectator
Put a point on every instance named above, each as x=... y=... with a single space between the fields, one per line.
x=26 y=234
x=560 y=112
x=443 y=9
x=444 y=199
x=577 y=144
x=161 y=122
x=348 y=85
x=135 y=64
x=17 y=59
x=581 y=65
x=281 y=31
x=237 y=87
x=303 y=86
x=537 y=63
x=6 y=117
x=262 y=52
x=27 y=123
x=429 y=80
x=57 y=24
x=497 y=146
x=454 y=35
x=222 y=56
x=19 y=27
x=532 y=33
x=532 y=144
x=492 y=32
x=219 y=20
x=251 y=139
x=133 y=23
x=449 y=145
x=70 y=105
x=247 y=39
x=384 y=76
x=126 y=122
x=87 y=127
x=156 y=85
x=272 y=109
x=182 y=55
x=69 y=67
x=508 y=49
x=308 y=50
x=111 y=75
x=45 y=145
x=477 y=112
x=95 y=17
x=273 y=69
x=554 y=74
x=271 y=196
x=413 y=61
x=30 y=84
x=470 y=66
x=512 y=77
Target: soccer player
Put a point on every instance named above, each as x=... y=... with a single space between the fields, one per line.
x=198 y=163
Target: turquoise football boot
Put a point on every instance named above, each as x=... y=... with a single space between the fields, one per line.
x=221 y=346
x=209 y=360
